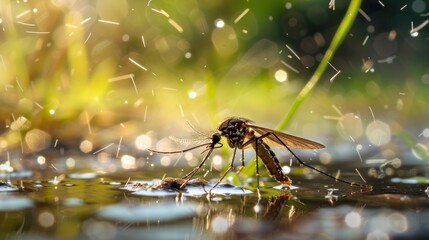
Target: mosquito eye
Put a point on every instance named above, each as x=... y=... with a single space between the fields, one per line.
x=216 y=138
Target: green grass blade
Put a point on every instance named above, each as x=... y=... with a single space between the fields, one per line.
x=339 y=36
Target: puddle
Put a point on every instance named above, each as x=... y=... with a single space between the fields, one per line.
x=94 y=207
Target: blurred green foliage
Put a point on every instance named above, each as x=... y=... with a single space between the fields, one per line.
x=105 y=71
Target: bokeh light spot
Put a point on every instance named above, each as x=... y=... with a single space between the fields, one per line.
x=398 y=222
x=41 y=160
x=86 y=146
x=353 y=219
x=46 y=219
x=378 y=133
x=325 y=158
x=219 y=225
x=143 y=142
x=217 y=162
x=128 y=162
x=219 y=23
x=192 y=94
x=280 y=75
x=70 y=163
x=418 y=6
x=165 y=161
x=37 y=139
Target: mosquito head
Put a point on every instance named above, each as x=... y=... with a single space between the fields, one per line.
x=216 y=137
x=234 y=129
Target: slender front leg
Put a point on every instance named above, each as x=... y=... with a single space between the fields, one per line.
x=257 y=170
x=242 y=162
x=188 y=176
x=231 y=165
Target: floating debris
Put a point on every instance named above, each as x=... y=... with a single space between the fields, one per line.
x=172 y=186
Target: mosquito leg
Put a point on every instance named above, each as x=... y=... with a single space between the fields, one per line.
x=242 y=161
x=231 y=165
x=242 y=157
x=188 y=176
x=313 y=168
x=257 y=166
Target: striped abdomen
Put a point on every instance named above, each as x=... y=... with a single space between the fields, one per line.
x=271 y=162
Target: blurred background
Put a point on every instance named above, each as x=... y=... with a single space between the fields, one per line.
x=112 y=78
x=86 y=87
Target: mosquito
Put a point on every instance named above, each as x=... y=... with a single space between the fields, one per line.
x=242 y=133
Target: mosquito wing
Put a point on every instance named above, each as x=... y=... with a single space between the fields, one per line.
x=198 y=136
x=290 y=140
x=190 y=140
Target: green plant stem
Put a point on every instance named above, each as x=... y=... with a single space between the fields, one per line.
x=339 y=36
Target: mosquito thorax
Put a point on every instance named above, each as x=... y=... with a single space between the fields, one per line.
x=234 y=129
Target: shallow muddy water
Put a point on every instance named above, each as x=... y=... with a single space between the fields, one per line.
x=82 y=204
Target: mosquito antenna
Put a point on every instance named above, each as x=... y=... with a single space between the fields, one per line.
x=198 y=131
x=181 y=151
x=317 y=170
